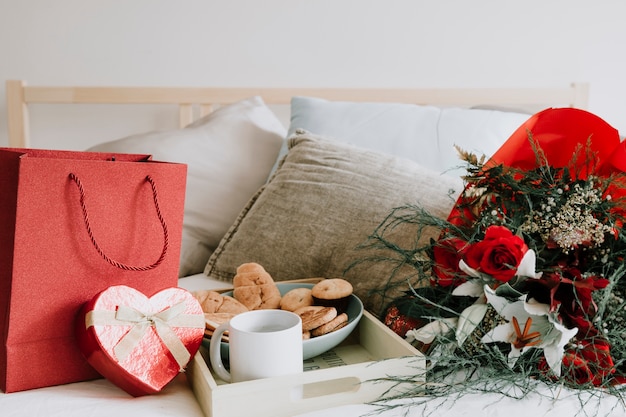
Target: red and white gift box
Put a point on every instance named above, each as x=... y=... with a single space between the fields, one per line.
x=137 y=342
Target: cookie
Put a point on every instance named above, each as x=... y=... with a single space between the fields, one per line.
x=213 y=320
x=313 y=318
x=335 y=324
x=209 y=333
x=334 y=292
x=296 y=298
x=301 y=310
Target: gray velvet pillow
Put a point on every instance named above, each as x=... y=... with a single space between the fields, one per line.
x=324 y=201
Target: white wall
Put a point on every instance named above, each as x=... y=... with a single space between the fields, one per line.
x=347 y=43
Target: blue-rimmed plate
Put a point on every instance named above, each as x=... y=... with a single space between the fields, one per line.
x=320 y=344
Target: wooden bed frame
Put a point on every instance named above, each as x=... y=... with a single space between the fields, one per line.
x=19 y=95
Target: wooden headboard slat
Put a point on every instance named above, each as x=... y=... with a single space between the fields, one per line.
x=20 y=95
x=176 y=95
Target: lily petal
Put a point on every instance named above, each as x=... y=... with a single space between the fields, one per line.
x=469 y=288
x=506 y=308
x=500 y=333
x=526 y=267
x=428 y=333
x=536 y=308
x=553 y=352
x=468 y=321
x=468 y=270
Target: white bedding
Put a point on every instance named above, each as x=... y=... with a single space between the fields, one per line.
x=489 y=405
x=102 y=398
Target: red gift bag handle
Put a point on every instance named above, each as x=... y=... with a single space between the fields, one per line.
x=97 y=246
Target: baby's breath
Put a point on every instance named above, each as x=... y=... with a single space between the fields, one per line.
x=571 y=220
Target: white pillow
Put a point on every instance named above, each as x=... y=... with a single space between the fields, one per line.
x=424 y=134
x=229 y=155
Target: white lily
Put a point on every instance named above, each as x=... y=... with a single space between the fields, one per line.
x=529 y=325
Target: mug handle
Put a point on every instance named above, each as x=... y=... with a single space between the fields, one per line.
x=215 y=354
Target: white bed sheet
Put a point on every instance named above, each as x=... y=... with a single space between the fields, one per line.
x=100 y=398
x=536 y=404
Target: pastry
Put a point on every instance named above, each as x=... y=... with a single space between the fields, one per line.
x=251 y=274
x=255 y=288
x=334 y=292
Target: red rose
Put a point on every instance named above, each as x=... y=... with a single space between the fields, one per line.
x=447 y=253
x=498 y=254
x=597 y=354
x=589 y=363
x=576 y=369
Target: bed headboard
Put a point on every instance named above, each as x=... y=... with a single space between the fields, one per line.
x=19 y=95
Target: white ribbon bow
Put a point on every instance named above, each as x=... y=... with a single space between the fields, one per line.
x=162 y=322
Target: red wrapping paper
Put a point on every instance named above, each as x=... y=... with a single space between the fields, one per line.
x=140 y=343
x=559 y=132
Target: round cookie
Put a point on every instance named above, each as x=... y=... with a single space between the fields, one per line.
x=335 y=324
x=213 y=320
x=334 y=292
x=296 y=298
x=304 y=309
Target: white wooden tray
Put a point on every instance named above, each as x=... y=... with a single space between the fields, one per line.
x=349 y=374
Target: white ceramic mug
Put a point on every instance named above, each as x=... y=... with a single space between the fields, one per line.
x=262 y=344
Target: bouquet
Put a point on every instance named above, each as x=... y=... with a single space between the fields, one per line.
x=527 y=280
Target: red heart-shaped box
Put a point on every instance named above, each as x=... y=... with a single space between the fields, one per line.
x=140 y=343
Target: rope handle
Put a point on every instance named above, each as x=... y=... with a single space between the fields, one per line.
x=120 y=265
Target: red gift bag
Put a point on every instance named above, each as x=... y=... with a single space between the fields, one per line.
x=71 y=225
